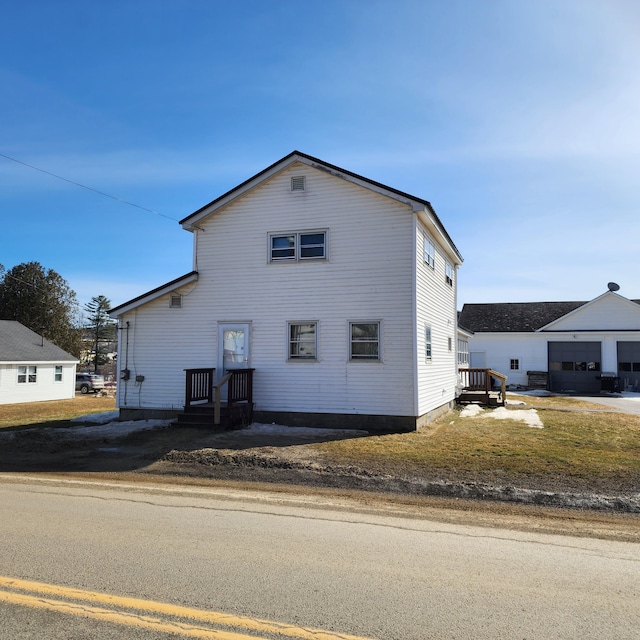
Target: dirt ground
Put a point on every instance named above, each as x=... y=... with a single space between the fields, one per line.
x=286 y=463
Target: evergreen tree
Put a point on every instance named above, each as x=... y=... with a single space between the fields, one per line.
x=42 y=301
x=101 y=327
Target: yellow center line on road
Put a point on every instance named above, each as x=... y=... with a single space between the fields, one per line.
x=132 y=612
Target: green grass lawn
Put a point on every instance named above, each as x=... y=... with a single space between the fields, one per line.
x=577 y=446
x=53 y=413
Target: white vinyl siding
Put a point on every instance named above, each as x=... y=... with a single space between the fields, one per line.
x=436 y=310
x=354 y=282
x=36 y=382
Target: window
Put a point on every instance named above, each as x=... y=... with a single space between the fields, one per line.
x=429 y=252
x=27 y=374
x=448 y=273
x=428 y=345
x=297 y=183
x=463 y=352
x=449 y=344
x=514 y=364
x=364 y=340
x=298 y=246
x=303 y=343
x=175 y=302
x=57 y=373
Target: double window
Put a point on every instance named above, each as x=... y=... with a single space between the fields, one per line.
x=303 y=341
x=364 y=341
x=307 y=245
x=27 y=374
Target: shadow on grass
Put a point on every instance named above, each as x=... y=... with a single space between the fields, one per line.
x=62 y=446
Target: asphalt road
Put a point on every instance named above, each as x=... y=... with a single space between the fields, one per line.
x=81 y=560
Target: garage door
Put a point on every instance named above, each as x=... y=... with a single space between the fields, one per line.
x=629 y=365
x=574 y=367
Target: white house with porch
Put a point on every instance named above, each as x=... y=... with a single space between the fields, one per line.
x=336 y=293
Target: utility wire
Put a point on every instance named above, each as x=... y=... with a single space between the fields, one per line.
x=84 y=186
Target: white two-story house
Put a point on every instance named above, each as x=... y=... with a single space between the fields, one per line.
x=339 y=292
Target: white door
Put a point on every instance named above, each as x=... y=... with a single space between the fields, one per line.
x=233 y=347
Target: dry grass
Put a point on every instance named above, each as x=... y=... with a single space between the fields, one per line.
x=53 y=413
x=576 y=446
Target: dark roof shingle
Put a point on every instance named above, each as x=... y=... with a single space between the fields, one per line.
x=20 y=344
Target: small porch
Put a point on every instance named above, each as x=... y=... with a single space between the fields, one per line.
x=478 y=387
x=217 y=403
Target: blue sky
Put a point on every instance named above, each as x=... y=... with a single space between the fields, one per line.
x=517 y=119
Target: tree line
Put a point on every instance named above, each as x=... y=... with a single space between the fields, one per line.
x=43 y=301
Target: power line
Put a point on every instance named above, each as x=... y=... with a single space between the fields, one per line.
x=84 y=186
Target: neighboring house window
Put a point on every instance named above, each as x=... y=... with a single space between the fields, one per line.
x=310 y=245
x=429 y=252
x=297 y=183
x=463 y=351
x=27 y=374
x=449 y=344
x=514 y=364
x=448 y=273
x=175 y=302
x=57 y=374
x=428 y=345
x=303 y=341
x=364 y=340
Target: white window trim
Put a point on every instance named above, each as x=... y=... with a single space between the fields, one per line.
x=292 y=358
x=428 y=343
x=55 y=373
x=516 y=360
x=378 y=358
x=429 y=256
x=449 y=273
x=29 y=371
x=296 y=257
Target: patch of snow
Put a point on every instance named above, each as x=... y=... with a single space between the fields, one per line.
x=471 y=411
x=115 y=429
x=98 y=418
x=631 y=395
x=528 y=416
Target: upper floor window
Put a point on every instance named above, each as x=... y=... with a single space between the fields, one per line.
x=429 y=252
x=514 y=364
x=364 y=340
x=27 y=374
x=307 y=245
x=448 y=273
x=57 y=373
x=303 y=341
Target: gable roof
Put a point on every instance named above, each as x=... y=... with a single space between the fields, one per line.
x=506 y=317
x=418 y=204
x=20 y=344
x=158 y=292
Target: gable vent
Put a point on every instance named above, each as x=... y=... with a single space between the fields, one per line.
x=297 y=183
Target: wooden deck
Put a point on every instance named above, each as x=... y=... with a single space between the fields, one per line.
x=478 y=387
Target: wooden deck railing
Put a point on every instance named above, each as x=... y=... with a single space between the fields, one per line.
x=199 y=386
x=203 y=388
x=480 y=380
